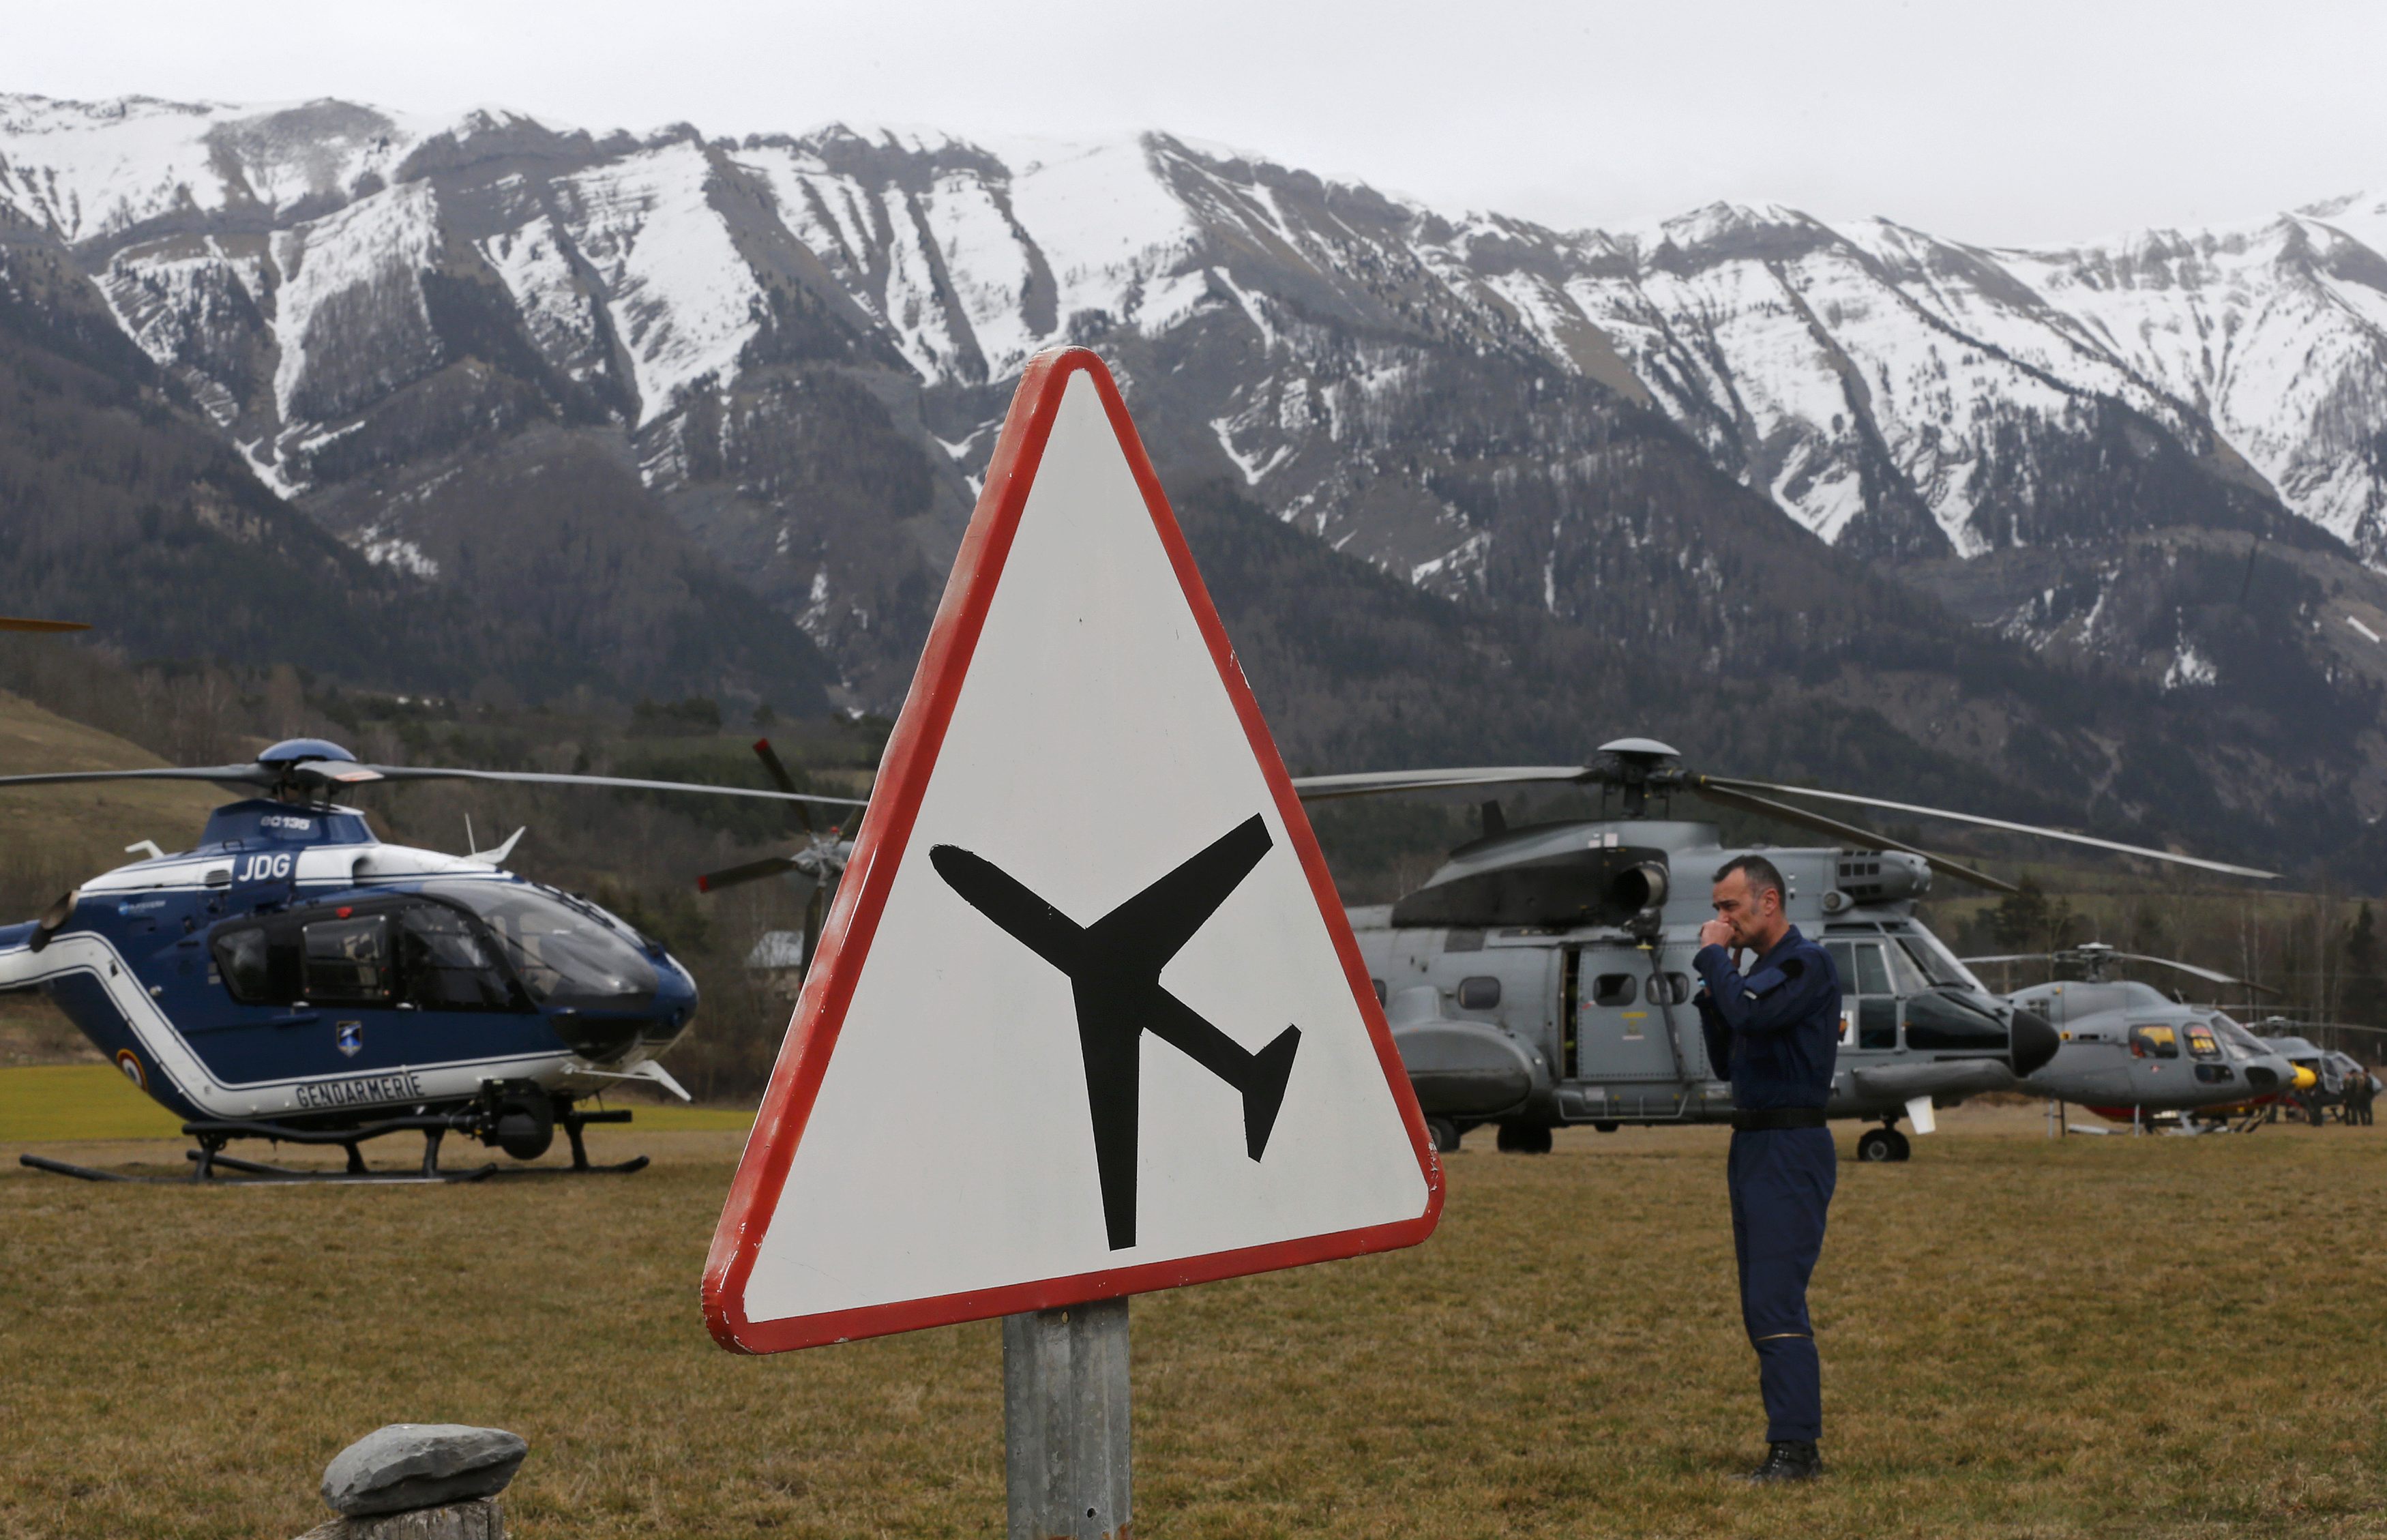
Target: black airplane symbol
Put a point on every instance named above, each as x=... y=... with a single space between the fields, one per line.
x=1114 y=969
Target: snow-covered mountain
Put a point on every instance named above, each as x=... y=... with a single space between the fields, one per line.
x=1873 y=381
x=477 y=349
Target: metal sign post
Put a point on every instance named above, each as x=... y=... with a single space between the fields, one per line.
x=1066 y=1433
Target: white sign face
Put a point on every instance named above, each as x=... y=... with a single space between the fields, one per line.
x=1087 y=1018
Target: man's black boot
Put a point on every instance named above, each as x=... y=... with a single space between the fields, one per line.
x=1788 y=1460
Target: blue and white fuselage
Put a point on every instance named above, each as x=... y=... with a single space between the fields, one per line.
x=292 y=968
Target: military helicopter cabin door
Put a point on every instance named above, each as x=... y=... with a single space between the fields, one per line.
x=1869 y=994
x=1620 y=1006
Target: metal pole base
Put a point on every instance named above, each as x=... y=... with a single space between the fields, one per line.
x=1065 y=1423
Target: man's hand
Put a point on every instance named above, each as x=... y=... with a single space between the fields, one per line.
x=1716 y=933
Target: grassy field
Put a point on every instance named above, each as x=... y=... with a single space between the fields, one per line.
x=2101 y=1336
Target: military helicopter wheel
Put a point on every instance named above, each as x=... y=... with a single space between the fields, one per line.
x=1444 y=1133
x=1608 y=1125
x=1883 y=1145
x=1524 y=1138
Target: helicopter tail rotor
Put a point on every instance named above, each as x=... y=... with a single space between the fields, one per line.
x=780 y=777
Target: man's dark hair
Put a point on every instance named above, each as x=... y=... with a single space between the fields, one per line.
x=1761 y=874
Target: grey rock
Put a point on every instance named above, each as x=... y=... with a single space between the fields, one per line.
x=409 y=1465
x=481 y=1519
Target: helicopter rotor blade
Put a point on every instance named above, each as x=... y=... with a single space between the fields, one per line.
x=2208 y=975
x=23 y=623
x=428 y=773
x=1864 y=838
x=1730 y=783
x=234 y=775
x=2075 y=955
x=782 y=779
x=752 y=871
x=1370 y=783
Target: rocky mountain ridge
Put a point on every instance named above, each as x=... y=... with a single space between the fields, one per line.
x=508 y=359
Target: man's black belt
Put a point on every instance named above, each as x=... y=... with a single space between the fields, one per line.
x=1764 y=1119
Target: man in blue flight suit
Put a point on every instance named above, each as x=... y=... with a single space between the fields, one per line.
x=1773 y=1031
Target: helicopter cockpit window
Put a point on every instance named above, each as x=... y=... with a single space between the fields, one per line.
x=2153 y=1043
x=1615 y=989
x=241 y=959
x=1937 y=962
x=1904 y=976
x=564 y=955
x=2241 y=1044
x=349 y=960
x=2203 y=1044
x=444 y=965
x=1478 y=994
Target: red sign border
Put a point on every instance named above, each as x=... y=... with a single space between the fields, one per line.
x=878 y=850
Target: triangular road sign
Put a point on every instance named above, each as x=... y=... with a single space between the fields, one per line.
x=1086 y=1018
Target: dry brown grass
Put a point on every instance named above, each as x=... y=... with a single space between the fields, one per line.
x=2157 y=1336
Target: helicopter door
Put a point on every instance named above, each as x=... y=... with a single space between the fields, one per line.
x=1868 y=995
x=2156 y=1070
x=1620 y=1026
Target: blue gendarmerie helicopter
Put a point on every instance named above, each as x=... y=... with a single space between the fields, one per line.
x=293 y=977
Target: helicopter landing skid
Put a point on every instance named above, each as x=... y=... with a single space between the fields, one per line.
x=253 y=1174
x=208 y=1162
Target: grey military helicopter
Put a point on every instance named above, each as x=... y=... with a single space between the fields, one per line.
x=2327 y=1070
x=2130 y=1053
x=1541 y=978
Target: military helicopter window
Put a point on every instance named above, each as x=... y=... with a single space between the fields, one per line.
x=347 y=961
x=444 y=965
x=1479 y=995
x=1667 y=988
x=1904 y=976
x=241 y=958
x=1615 y=989
x=1878 y=1023
x=1872 y=973
x=2202 y=1043
x=2158 y=1042
x=2242 y=1045
x=564 y=956
x=1936 y=962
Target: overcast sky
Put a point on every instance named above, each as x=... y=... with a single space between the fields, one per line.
x=2005 y=122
